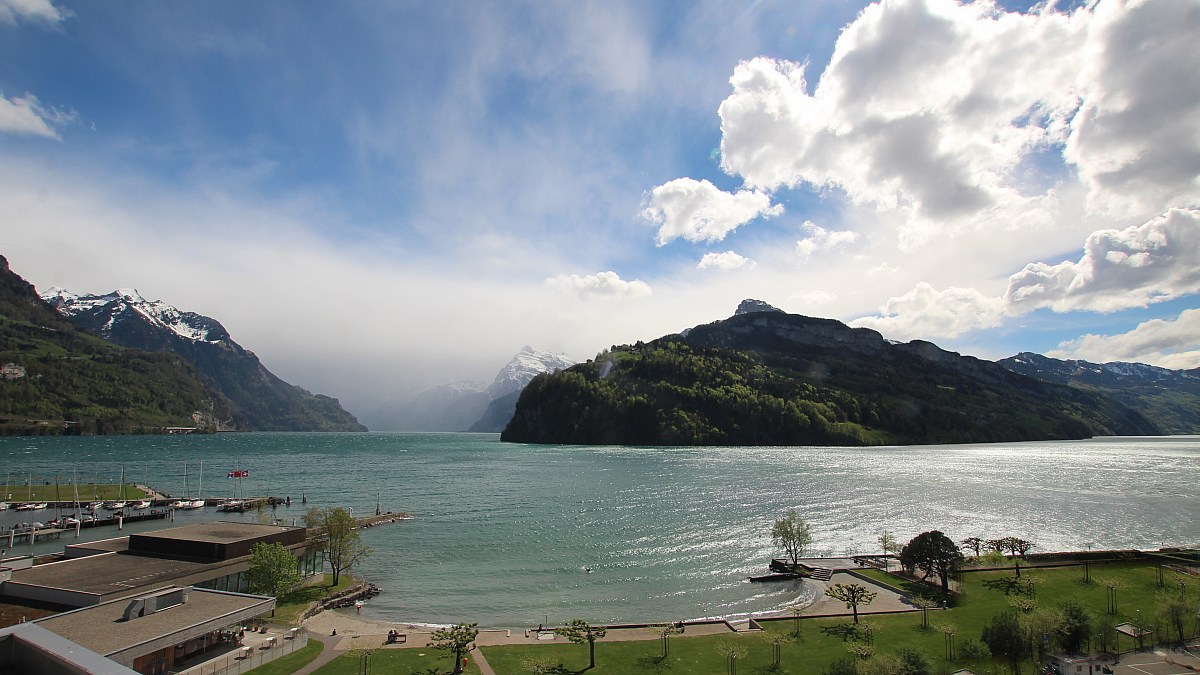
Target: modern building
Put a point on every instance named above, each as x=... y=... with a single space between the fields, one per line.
x=144 y=602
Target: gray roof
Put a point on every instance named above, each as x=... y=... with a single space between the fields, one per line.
x=109 y=573
x=103 y=629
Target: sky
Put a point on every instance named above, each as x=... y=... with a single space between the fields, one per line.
x=378 y=197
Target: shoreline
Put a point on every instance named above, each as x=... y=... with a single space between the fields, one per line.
x=352 y=626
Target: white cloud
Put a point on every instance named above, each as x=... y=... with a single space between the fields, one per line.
x=925 y=313
x=728 y=260
x=957 y=115
x=602 y=284
x=820 y=239
x=24 y=115
x=40 y=11
x=1135 y=140
x=1165 y=343
x=1119 y=269
x=698 y=211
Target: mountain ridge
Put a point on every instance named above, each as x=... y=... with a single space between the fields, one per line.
x=263 y=400
x=771 y=378
x=59 y=379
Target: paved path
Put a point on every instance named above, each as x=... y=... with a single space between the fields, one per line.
x=327 y=654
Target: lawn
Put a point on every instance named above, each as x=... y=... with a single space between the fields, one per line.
x=285 y=665
x=290 y=608
x=397 y=662
x=819 y=644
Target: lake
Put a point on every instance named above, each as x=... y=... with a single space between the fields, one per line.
x=505 y=534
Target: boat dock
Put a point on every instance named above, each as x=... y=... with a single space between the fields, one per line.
x=16 y=535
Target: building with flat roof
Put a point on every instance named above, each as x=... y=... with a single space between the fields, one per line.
x=151 y=633
x=206 y=555
x=145 y=602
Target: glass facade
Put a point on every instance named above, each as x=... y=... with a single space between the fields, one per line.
x=308 y=563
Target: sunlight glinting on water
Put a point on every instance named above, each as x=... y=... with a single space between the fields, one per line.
x=504 y=533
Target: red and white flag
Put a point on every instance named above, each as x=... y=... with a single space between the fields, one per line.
x=244 y=473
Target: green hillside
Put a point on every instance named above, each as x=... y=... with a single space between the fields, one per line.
x=787 y=380
x=60 y=380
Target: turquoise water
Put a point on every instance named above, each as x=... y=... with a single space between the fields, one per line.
x=503 y=533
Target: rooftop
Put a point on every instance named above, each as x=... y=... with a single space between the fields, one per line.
x=103 y=629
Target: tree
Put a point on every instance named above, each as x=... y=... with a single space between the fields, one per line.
x=974 y=544
x=924 y=604
x=1005 y=639
x=1174 y=608
x=272 y=570
x=456 y=640
x=335 y=532
x=776 y=641
x=851 y=594
x=732 y=651
x=1113 y=584
x=580 y=631
x=888 y=543
x=948 y=630
x=792 y=534
x=932 y=552
x=797 y=611
x=1074 y=630
x=664 y=632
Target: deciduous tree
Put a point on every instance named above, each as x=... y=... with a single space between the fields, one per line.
x=456 y=640
x=932 y=552
x=851 y=594
x=335 y=532
x=580 y=631
x=272 y=570
x=792 y=534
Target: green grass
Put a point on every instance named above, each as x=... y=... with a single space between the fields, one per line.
x=985 y=594
x=292 y=605
x=87 y=492
x=397 y=662
x=286 y=665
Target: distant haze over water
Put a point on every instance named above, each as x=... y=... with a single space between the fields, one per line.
x=504 y=533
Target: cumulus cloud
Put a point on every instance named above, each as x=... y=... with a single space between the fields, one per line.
x=699 y=211
x=927 y=313
x=964 y=117
x=728 y=260
x=24 y=115
x=1166 y=343
x=1119 y=269
x=602 y=284
x=1134 y=140
x=39 y=11
x=820 y=239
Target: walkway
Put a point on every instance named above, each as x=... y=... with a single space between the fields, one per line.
x=353 y=630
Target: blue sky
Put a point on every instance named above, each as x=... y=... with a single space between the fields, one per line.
x=379 y=197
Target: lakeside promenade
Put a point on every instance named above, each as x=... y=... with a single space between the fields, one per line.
x=343 y=630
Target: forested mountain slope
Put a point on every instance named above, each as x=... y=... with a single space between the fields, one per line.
x=59 y=379
x=769 y=378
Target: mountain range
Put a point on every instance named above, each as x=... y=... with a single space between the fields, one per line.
x=261 y=401
x=764 y=377
x=469 y=406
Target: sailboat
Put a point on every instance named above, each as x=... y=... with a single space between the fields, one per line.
x=120 y=502
x=3 y=503
x=197 y=503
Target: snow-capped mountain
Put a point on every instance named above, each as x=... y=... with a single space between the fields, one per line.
x=116 y=311
x=526 y=365
x=463 y=406
x=264 y=401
